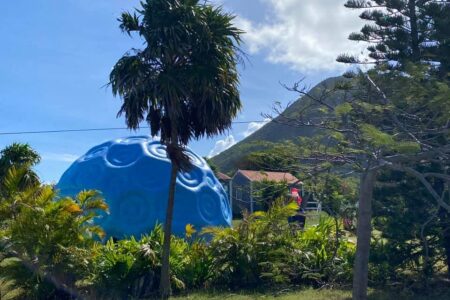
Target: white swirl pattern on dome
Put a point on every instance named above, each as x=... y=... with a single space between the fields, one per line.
x=225 y=208
x=123 y=155
x=208 y=205
x=157 y=150
x=192 y=179
x=95 y=152
x=210 y=182
x=134 y=139
x=196 y=160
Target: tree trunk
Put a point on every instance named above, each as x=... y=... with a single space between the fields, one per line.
x=164 y=285
x=363 y=232
x=445 y=236
x=414 y=30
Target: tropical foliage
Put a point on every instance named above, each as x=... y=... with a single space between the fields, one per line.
x=50 y=249
x=387 y=126
x=23 y=158
x=265 y=249
x=44 y=238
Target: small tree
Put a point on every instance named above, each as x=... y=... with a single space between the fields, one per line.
x=184 y=83
x=20 y=156
x=400 y=32
x=395 y=119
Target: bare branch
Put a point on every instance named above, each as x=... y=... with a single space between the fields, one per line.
x=424 y=181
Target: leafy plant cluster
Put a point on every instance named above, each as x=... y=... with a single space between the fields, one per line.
x=45 y=239
x=264 y=249
x=51 y=249
x=261 y=251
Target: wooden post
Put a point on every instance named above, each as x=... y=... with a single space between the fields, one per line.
x=251 y=197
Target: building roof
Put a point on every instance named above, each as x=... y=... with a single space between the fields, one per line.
x=222 y=176
x=271 y=176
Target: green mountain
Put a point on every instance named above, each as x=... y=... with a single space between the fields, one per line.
x=277 y=130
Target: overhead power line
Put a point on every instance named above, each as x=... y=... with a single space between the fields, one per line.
x=93 y=129
x=61 y=130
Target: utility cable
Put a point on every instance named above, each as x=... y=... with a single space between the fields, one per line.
x=94 y=129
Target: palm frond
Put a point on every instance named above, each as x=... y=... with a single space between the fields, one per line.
x=129 y=22
x=184 y=83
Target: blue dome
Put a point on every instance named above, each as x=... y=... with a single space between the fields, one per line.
x=133 y=175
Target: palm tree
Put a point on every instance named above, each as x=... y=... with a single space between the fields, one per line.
x=20 y=157
x=184 y=82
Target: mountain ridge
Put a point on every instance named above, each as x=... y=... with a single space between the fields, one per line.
x=274 y=131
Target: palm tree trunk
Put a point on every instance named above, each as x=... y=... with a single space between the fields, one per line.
x=363 y=233
x=164 y=286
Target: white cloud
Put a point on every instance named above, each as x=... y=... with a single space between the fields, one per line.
x=306 y=35
x=64 y=157
x=222 y=145
x=254 y=126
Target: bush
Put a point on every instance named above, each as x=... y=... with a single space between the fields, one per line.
x=262 y=250
x=265 y=249
x=132 y=268
x=45 y=240
x=326 y=257
x=49 y=251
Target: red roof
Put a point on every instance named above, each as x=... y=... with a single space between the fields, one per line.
x=222 y=176
x=271 y=176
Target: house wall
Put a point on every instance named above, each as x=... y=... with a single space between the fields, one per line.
x=241 y=193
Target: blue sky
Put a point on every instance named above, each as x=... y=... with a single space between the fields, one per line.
x=56 y=57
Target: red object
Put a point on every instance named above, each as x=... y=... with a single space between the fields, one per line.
x=296 y=195
x=348 y=223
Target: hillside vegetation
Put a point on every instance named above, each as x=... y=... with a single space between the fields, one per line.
x=274 y=131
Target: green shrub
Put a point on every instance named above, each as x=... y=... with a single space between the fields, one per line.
x=45 y=242
x=264 y=249
x=132 y=268
x=49 y=252
x=326 y=257
x=197 y=271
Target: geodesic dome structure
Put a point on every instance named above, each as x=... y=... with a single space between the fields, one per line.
x=133 y=175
